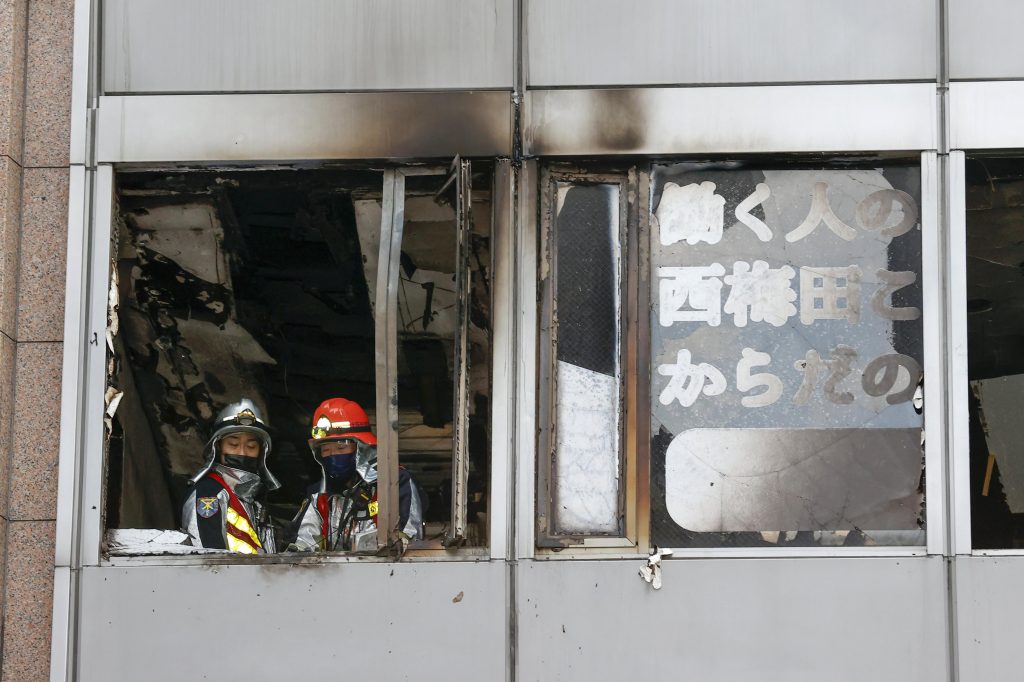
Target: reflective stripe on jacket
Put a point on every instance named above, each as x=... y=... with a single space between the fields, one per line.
x=225 y=521
x=333 y=522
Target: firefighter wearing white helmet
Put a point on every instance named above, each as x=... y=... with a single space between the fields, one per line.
x=224 y=506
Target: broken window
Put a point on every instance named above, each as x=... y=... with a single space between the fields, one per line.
x=264 y=284
x=779 y=368
x=583 y=484
x=995 y=333
x=786 y=352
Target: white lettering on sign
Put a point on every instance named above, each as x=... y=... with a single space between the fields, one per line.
x=893 y=375
x=687 y=381
x=693 y=213
x=754 y=291
x=876 y=209
x=840 y=366
x=690 y=294
x=745 y=381
x=761 y=292
x=821 y=212
x=830 y=294
x=891 y=283
x=760 y=195
x=890 y=366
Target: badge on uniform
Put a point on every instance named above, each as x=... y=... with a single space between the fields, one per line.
x=207 y=506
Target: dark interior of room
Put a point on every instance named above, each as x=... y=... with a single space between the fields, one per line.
x=995 y=339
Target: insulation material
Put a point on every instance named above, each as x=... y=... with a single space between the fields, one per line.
x=427 y=297
x=144 y=541
x=368 y=223
x=651 y=571
x=189 y=234
x=587 y=442
x=1004 y=432
x=587 y=462
x=427 y=303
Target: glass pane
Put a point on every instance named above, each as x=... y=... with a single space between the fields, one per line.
x=786 y=355
x=588 y=374
x=995 y=335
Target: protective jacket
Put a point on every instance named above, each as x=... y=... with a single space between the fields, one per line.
x=222 y=508
x=221 y=512
x=344 y=517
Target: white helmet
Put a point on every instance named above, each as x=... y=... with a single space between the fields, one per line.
x=240 y=417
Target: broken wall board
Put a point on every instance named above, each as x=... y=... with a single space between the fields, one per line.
x=1004 y=432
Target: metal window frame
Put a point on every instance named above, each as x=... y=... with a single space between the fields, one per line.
x=501 y=500
x=523 y=476
x=956 y=310
x=386 y=355
x=936 y=386
x=82 y=472
x=631 y=352
x=960 y=440
x=386 y=352
x=461 y=173
x=81 y=478
x=959 y=454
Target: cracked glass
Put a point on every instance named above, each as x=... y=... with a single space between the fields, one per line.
x=786 y=355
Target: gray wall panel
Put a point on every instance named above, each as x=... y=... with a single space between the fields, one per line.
x=374 y=621
x=986 y=114
x=281 y=45
x=990 y=601
x=750 y=119
x=284 y=127
x=609 y=42
x=984 y=39
x=841 y=620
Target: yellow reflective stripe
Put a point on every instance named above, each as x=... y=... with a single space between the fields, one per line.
x=236 y=545
x=239 y=522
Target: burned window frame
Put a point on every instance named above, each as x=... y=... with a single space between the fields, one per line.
x=633 y=352
x=102 y=291
x=637 y=445
x=458 y=179
x=975 y=471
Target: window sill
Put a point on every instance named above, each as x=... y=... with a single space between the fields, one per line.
x=295 y=558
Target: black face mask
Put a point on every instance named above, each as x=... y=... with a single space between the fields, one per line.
x=250 y=464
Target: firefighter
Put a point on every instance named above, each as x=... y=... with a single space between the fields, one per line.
x=223 y=508
x=340 y=514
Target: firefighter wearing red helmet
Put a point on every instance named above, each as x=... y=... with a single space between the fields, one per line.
x=340 y=514
x=223 y=508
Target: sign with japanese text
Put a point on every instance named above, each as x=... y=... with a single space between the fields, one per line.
x=786 y=339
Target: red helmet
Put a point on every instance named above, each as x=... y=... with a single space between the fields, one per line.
x=339 y=418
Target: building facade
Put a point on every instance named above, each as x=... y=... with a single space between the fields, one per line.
x=696 y=323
